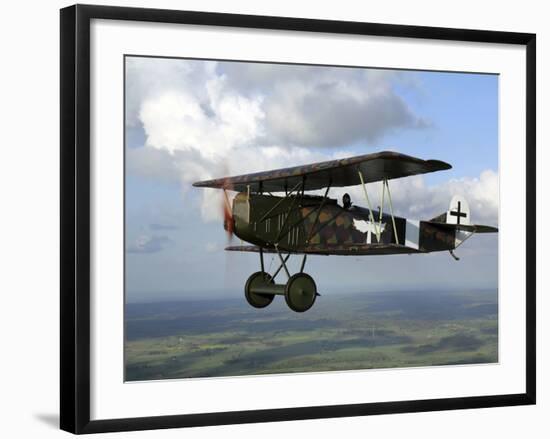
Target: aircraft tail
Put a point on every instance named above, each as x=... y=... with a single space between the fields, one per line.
x=458 y=218
x=458 y=213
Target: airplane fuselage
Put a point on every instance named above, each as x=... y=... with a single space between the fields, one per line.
x=294 y=222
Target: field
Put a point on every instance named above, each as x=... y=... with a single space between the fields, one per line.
x=227 y=337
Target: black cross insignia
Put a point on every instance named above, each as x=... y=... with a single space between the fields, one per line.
x=458 y=214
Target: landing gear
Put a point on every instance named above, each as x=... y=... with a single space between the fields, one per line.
x=299 y=291
x=254 y=286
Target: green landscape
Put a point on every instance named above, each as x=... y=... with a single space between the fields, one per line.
x=227 y=337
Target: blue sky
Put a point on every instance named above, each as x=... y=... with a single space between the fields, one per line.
x=193 y=120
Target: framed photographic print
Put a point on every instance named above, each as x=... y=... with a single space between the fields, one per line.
x=304 y=218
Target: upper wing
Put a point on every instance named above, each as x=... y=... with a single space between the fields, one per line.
x=336 y=173
x=336 y=249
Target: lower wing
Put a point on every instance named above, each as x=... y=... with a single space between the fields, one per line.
x=334 y=249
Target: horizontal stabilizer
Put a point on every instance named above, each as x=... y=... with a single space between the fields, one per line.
x=473 y=228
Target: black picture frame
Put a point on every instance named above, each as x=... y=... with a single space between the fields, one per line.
x=75 y=217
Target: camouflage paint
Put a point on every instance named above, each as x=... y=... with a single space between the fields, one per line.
x=296 y=224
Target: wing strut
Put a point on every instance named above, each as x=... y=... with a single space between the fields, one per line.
x=378 y=224
x=391 y=209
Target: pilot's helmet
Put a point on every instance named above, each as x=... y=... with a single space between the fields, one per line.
x=346 y=201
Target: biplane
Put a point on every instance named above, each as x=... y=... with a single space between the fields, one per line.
x=273 y=213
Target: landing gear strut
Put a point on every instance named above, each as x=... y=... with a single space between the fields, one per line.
x=299 y=291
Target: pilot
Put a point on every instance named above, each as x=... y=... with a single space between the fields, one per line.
x=346 y=201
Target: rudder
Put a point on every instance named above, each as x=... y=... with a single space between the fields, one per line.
x=459 y=211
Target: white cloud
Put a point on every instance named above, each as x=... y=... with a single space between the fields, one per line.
x=148 y=77
x=326 y=107
x=149 y=244
x=176 y=122
x=328 y=112
x=212 y=247
x=163 y=227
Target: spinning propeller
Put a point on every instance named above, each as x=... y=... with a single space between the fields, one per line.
x=227 y=212
x=228 y=220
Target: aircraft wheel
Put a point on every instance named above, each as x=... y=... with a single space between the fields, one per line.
x=255 y=299
x=300 y=292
